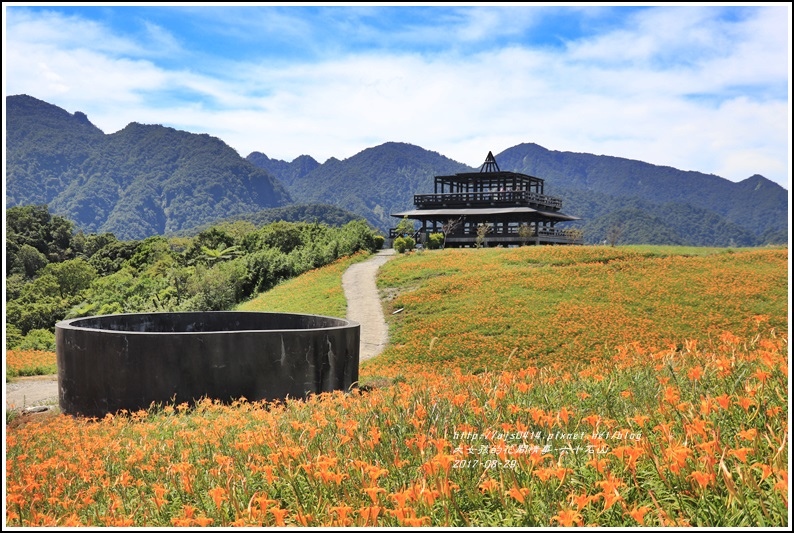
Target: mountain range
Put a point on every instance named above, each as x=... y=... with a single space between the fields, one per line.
x=140 y=181
x=647 y=203
x=149 y=179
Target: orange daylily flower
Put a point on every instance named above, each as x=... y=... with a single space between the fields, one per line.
x=518 y=494
x=567 y=518
x=638 y=514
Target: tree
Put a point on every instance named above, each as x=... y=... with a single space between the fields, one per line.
x=219 y=254
x=112 y=256
x=39 y=305
x=614 y=233
x=72 y=276
x=33 y=225
x=218 y=287
x=30 y=260
x=525 y=232
x=405 y=228
x=212 y=238
x=284 y=236
x=483 y=229
x=448 y=227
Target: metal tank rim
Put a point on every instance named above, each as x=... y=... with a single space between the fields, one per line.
x=71 y=323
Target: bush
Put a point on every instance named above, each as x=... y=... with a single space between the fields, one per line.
x=216 y=288
x=399 y=244
x=356 y=235
x=379 y=240
x=38 y=339
x=13 y=336
x=283 y=236
x=435 y=241
x=403 y=244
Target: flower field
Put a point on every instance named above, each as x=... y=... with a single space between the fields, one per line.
x=30 y=363
x=523 y=387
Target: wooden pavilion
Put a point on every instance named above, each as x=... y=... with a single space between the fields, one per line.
x=505 y=208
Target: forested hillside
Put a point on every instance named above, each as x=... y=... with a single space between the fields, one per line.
x=45 y=148
x=636 y=202
x=373 y=183
x=756 y=204
x=287 y=173
x=152 y=180
x=315 y=213
x=55 y=272
x=140 y=181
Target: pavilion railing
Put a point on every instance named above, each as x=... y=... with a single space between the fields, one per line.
x=487 y=198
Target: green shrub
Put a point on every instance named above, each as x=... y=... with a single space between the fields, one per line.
x=435 y=241
x=400 y=245
x=38 y=339
x=404 y=244
x=13 y=336
x=216 y=288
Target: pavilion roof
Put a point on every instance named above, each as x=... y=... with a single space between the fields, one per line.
x=486 y=211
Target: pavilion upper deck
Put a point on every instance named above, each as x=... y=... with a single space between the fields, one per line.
x=501 y=198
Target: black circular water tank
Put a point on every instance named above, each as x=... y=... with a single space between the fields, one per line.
x=129 y=361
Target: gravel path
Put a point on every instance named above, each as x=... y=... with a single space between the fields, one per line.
x=363 y=306
x=27 y=392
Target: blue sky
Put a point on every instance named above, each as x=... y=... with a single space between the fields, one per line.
x=696 y=87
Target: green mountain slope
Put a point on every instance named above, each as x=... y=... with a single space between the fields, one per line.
x=375 y=182
x=648 y=203
x=287 y=173
x=756 y=204
x=639 y=221
x=149 y=179
x=45 y=147
x=140 y=181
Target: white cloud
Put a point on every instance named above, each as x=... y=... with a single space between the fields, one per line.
x=58 y=31
x=619 y=94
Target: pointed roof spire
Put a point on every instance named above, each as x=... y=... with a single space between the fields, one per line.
x=490 y=164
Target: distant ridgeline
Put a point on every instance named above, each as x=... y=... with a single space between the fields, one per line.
x=319 y=213
x=148 y=180
x=143 y=180
x=629 y=201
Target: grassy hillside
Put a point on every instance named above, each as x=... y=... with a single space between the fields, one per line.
x=524 y=387
x=318 y=292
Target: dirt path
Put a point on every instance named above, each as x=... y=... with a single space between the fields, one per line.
x=363 y=303
x=27 y=392
x=363 y=306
